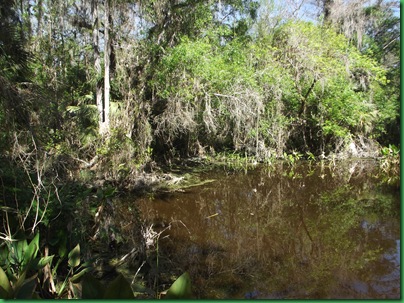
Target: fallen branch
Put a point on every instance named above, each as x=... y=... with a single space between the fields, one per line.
x=88 y=164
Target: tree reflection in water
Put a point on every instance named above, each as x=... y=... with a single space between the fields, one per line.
x=289 y=232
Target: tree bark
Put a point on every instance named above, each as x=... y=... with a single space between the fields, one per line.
x=97 y=64
x=39 y=17
x=107 y=51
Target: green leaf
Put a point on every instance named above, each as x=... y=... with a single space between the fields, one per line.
x=3 y=255
x=27 y=288
x=74 y=256
x=62 y=249
x=109 y=192
x=86 y=264
x=119 y=288
x=91 y=288
x=181 y=288
x=80 y=274
x=17 y=250
x=72 y=109
x=40 y=263
x=5 y=288
x=32 y=250
x=20 y=281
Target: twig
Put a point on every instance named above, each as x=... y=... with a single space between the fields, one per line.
x=134 y=278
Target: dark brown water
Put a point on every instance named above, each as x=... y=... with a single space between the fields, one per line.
x=307 y=231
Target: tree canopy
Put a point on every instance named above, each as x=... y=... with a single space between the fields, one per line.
x=160 y=79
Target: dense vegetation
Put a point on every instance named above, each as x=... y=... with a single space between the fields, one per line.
x=94 y=91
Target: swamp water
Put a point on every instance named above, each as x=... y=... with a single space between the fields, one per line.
x=307 y=231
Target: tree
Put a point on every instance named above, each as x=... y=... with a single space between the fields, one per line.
x=332 y=86
x=195 y=18
x=104 y=128
x=14 y=64
x=97 y=65
x=382 y=42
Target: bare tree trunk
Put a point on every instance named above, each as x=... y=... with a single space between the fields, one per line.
x=325 y=6
x=97 y=64
x=28 y=21
x=107 y=51
x=22 y=36
x=39 y=17
x=327 y=9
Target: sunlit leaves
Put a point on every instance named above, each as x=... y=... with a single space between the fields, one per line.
x=74 y=256
x=5 y=288
x=306 y=74
x=181 y=288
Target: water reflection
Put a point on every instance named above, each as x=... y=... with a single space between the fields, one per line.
x=300 y=232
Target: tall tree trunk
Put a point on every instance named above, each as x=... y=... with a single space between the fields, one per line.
x=107 y=51
x=28 y=21
x=327 y=10
x=325 y=6
x=39 y=17
x=21 y=19
x=97 y=65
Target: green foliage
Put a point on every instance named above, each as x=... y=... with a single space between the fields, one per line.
x=119 y=288
x=14 y=58
x=233 y=161
x=195 y=81
x=91 y=287
x=200 y=81
x=22 y=288
x=21 y=272
x=5 y=287
x=74 y=257
x=19 y=259
x=390 y=151
x=21 y=256
x=390 y=163
x=292 y=158
x=86 y=118
x=310 y=156
x=305 y=75
x=181 y=288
